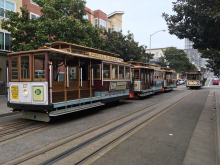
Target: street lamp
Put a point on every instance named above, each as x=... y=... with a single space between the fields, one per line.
x=150 y=41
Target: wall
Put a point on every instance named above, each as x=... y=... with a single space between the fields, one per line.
x=31 y=7
x=18 y=4
x=115 y=19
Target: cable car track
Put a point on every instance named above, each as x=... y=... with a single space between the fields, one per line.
x=89 y=141
x=16 y=129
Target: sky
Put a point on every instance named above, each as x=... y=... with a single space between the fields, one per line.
x=143 y=18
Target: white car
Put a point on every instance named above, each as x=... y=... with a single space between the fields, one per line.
x=215 y=78
x=180 y=82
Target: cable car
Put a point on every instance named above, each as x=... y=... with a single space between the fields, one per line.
x=61 y=78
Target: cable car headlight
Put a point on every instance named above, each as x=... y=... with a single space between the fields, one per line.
x=25 y=93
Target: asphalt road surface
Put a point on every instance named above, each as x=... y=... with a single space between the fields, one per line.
x=165 y=140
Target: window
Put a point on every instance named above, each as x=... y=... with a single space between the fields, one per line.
x=96 y=71
x=74 y=73
x=136 y=74
x=6 y=5
x=33 y=2
x=116 y=28
x=32 y=15
x=127 y=72
x=14 y=68
x=60 y=76
x=112 y=27
x=96 y=22
x=156 y=57
x=39 y=66
x=25 y=67
x=106 y=71
x=5 y=41
x=114 y=71
x=119 y=29
x=121 y=72
x=102 y=24
x=85 y=16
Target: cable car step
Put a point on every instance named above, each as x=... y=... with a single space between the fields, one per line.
x=75 y=109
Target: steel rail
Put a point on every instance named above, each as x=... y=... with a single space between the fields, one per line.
x=87 y=142
x=124 y=134
x=20 y=128
x=94 y=129
x=15 y=125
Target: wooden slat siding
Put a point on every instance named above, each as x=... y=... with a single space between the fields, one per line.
x=65 y=86
x=57 y=86
x=79 y=78
x=90 y=79
x=73 y=85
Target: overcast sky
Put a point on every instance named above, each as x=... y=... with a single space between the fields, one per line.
x=142 y=18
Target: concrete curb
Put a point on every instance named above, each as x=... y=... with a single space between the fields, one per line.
x=217 y=127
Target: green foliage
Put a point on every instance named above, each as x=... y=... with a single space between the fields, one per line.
x=203 y=69
x=214 y=59
x=61 y=20
x=124 y=45
x=145 y=57
x=178 y=60
x=197 y=20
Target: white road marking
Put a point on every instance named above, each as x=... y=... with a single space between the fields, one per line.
x=210 y=81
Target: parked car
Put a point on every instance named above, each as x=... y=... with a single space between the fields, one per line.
x=215 y=81
x=183 y=81
x=215 y=78
x=179 y=82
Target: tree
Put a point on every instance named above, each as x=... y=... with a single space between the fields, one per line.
x=178 y=60
x=61 y=20
x=214 y=59
x=124 y=45
x=198 y=20
x=145 y=57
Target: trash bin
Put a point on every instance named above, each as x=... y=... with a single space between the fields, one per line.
x=2 y=88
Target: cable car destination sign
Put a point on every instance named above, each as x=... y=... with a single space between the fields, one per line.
x=105 y=57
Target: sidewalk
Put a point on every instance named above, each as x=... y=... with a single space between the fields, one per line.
x=3 y=105
x=202 y=148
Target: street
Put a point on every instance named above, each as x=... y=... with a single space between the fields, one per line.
x=182 y=133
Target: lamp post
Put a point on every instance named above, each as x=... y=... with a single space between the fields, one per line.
x=150 y=41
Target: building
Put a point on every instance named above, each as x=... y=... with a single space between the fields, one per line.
x=158 y=53
x=193 y=55
x=98 y=18
x=5 y=38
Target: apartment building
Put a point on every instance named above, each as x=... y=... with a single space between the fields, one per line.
x=98 y=18
x=158 y=53
x=5 y=38
x=193 y=55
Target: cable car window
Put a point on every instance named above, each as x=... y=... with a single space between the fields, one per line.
x=121 y=72
x=14 y=68
x=39 y=66
x=136 y=74
x=127 y=72
x=114 y=71
x=106 y=71
x=25 y=69
x=96 y=71
x=73 y=73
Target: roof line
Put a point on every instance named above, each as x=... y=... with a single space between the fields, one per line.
x=115 y=12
